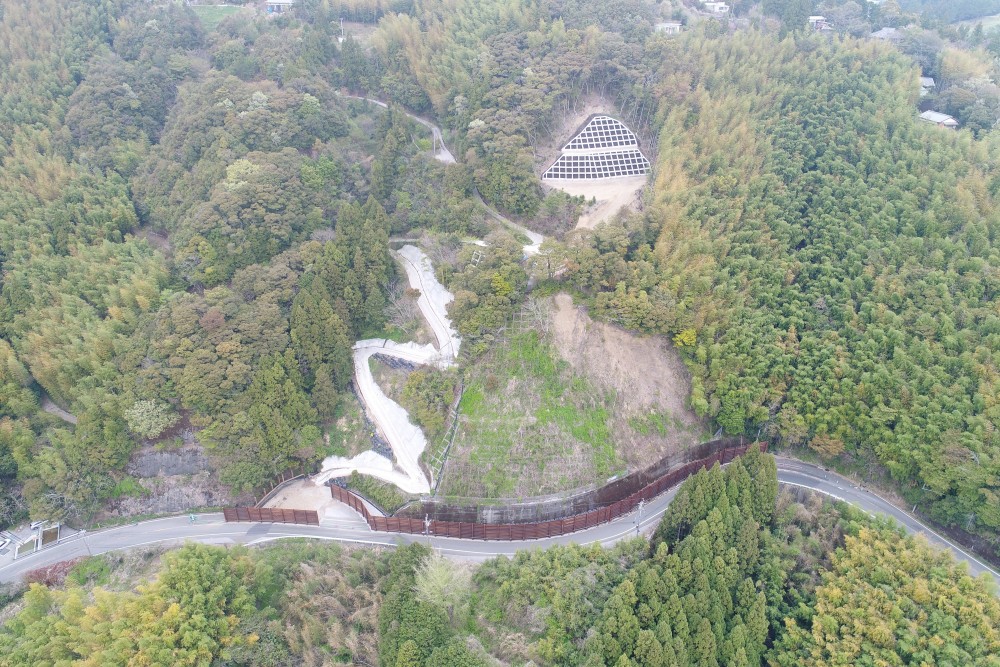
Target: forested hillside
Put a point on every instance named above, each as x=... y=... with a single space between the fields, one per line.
x=74 y=282
x=826 y=261
x=194 y=227
x=501 y=75
x=191 y=235
x=736 y=574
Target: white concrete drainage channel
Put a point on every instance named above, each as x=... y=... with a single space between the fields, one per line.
x=406 y=440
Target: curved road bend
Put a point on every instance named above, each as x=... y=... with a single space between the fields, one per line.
x=442 y=154
x=211 y=529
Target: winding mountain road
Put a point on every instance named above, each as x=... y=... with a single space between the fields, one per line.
x=349 y=527
x=405 y=438
x=440 y=152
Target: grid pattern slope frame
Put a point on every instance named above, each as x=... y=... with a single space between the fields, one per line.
x=604 y=148
x=599 y=165
x=602 y=132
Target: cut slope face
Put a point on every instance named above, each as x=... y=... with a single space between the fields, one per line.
x=604 y=148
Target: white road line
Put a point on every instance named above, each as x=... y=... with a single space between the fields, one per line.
x=909 y=516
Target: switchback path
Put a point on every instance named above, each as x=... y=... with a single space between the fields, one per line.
x=406 y=439
x=441 y=151
x=211 y=529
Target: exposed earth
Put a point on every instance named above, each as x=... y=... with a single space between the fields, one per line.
x=563 y=403
x=612 y=195
x=304 y=493
x=646 y=373
x=174 y=480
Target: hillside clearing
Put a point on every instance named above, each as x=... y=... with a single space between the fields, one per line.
x=567 y=402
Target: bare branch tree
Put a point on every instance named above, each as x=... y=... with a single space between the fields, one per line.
x=402 y=311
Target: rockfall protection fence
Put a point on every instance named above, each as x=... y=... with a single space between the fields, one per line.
x=271 y=515
x=560 y=506
x=536 y=530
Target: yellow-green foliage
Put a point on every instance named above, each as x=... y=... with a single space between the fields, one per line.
x=891 y=600
x=832 y=252
x=189 y=616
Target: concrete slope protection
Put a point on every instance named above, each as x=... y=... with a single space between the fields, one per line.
x=406 y=439
x=349 y=527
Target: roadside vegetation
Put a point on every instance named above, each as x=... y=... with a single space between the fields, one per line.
x=195 y=226
x=211 y=15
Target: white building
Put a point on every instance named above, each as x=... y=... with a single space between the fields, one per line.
x=669 y=27
x=716 y=8
x=278 y=6
x=939 y=119
x=819 y=23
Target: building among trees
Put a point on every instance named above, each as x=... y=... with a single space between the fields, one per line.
x=939 y=119
x=716 y=7
x=669 y=27
x=278 y=6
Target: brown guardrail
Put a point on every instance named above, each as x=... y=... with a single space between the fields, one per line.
x=537 y=530
x=559 y=506
x=271 y=515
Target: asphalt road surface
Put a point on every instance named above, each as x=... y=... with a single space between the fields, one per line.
x=211 y=529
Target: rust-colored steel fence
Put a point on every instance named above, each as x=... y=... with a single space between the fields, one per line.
x=538 y=530
x=558 y=506
x=271 y=515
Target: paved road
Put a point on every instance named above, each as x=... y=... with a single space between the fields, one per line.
x=211 y=529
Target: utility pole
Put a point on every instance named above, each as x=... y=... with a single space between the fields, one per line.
x=427 y=528
x=638 y=518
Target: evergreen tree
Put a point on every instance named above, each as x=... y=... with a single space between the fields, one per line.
x=320 y=337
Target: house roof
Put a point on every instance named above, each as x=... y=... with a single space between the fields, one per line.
x=937 y=117
x=926 y=82
x=891 y=34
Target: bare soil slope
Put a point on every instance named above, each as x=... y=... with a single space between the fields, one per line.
x=612 y=195
x=563 y=403
x=645 y=372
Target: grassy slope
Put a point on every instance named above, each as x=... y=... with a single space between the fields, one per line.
x=212 y=15
x=529 y=426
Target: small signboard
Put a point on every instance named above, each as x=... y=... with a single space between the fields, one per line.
x=50 y=535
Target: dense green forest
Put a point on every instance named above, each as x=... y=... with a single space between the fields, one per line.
x=831 y=257
x=191 y=237
x=195 y=225
x=736 y=574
